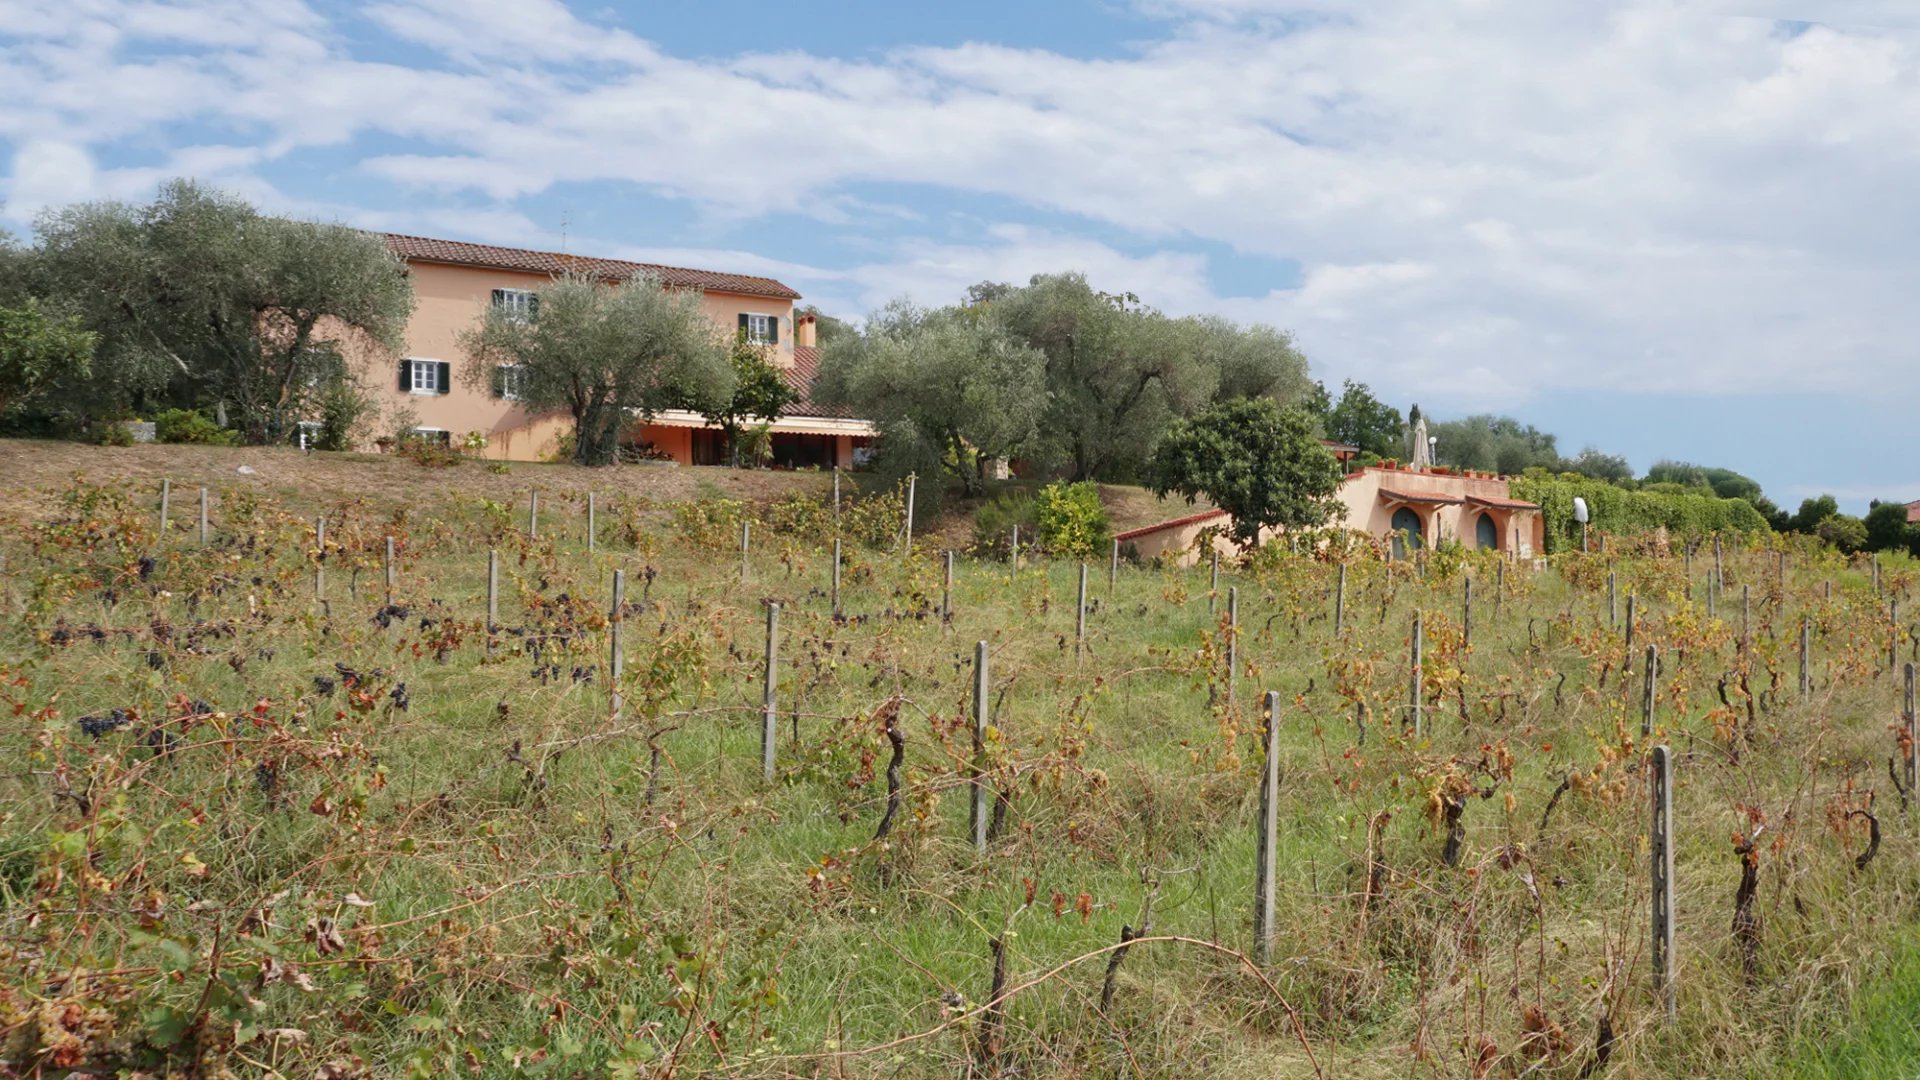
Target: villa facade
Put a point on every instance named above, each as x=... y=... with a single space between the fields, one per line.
x=454 y=285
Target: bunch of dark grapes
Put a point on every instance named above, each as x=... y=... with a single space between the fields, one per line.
x=96 y=726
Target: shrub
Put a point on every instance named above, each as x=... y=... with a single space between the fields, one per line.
x=1071 y=521
x=1843 y=531
x=114 y=434
x=429 y=453
x=188 y=426
x=344 y=411
x=993 y=523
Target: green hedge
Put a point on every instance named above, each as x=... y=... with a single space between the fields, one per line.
x=1624 y=513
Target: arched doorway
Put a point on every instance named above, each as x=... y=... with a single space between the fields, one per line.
x=1407 y=529
x=1486 y=534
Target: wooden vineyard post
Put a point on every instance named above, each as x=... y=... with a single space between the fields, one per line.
x=1782 y=575
x=1213 y=586
x=1875 y=557
x=1499 y=586
x=320 y=559
x=1613 y=608
x=166 y=498
x=1268 y=837
x=1466 y=613
x=768 y=692
x=1893 y=634
x=1652 y=688
x=746 y=543
x=390 y=571
x=616 y=656
x=1806 y=658
x=493 y=597
x=1080 y=616
x=1233 y=644
x=203 y=517
x=836 y=495
x=1627 y=665
x=836 y=578
x=1340 y=601
x=1014 y=551
x=1912 y=720
x=533 y=514
x=1660 y=841
x=912 y=480
x=1414 y=702
x=593 y=538
x=977 y=803
x=946 y=591
x=1113 y=570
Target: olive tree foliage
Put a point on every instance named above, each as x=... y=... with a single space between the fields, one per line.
x=1260 y=463
x=949 y=389
x=1496 y=444
x=1361 y=420
x=605 y=354
x=200 y=301
x=38 y=353
x=1118 y=372
x=760 y=392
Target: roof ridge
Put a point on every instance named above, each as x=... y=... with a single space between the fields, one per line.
x=534 y=260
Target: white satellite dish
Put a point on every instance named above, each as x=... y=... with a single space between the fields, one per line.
x=1579 y=509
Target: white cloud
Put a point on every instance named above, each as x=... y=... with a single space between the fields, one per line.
x=1489 y=199
x=47 y=173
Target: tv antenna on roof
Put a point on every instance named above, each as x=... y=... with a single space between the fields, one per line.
x=566 y=219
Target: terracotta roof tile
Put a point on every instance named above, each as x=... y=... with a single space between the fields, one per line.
x=1190 y=519
x=458 y=253
x=805 y=369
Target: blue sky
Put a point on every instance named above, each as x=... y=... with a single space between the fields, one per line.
x=1666 y=230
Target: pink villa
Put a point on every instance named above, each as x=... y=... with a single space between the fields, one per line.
x=1397 y=505
x=454 y=284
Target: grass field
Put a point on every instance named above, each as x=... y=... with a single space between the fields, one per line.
x=350 y=836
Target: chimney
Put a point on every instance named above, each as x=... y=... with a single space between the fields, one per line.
x=803 y=331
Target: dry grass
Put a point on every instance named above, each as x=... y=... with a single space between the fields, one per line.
x=37 y=470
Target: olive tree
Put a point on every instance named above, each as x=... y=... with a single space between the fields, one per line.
x=1260 y=463
x=605 y=354
x=949 y=389
x=200 y=301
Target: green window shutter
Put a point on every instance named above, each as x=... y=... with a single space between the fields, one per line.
x=773 y=329
x=446 y=377
x=499 y=381
x=406 y=375
x=533 y=305
x=743 y=323
x=499 y=298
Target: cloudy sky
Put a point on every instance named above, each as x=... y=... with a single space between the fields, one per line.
x=1668 y=229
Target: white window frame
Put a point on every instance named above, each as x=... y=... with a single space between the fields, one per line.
x=427 y=386
x=516 y=303
x=760 y=328
x=433 y=434
x=510 y=375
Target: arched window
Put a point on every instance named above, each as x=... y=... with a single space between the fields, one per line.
x=1407 y=531
x=1486 y=534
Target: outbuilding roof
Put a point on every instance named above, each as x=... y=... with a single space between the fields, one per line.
x=1430 y=498
x=460 y=253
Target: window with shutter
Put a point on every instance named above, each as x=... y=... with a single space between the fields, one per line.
x=426 y=376
x=516 y=303
x=761 y=329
